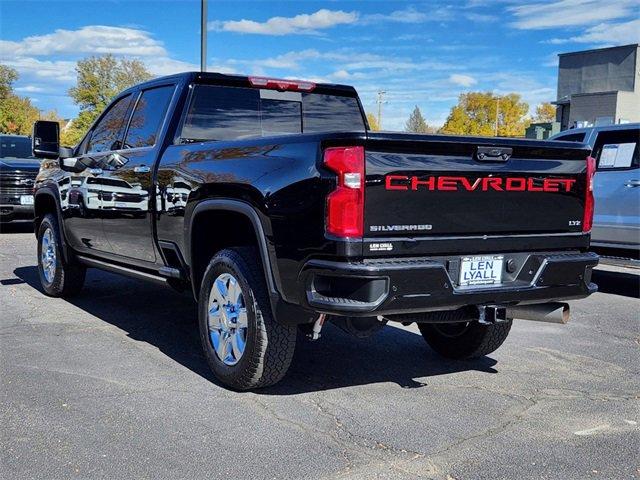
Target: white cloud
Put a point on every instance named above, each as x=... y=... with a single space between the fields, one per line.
x=551 y=60
x=412 y=37
x=462 y=80
x=342 y=59
x=300 y=24
x=408 y=15
x=94 y=39
x=343 y=75
x=606 y=33
x=49 y=70
x=480 y=17
x=570 y=13
x=324 y=18
x=29 y=89
x=533 y=88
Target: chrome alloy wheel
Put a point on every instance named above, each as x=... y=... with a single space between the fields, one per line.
x=48 y=255
x=227 y=319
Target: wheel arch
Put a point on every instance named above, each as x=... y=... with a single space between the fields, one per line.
x=245 y=218
x=46 y=201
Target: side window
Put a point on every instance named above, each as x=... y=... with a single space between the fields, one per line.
x=147 y=117
x=107 y=133
x=617 y=149
x=573 y=137
x=222 y=113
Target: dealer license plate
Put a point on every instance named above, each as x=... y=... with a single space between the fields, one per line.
x=482 y=270
x=26 y=199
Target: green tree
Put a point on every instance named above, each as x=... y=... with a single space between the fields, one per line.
x=545 y=112
x=373 y=122
x=99 y=79
x=8 y=75
x=17 y=114
x=416 y=122
x=477 y=113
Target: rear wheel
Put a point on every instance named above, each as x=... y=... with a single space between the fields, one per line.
x=244 y=345
x=58 y=277
x=464 y=340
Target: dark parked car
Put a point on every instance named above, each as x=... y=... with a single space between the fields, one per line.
x=275 y=205
x=18 y=170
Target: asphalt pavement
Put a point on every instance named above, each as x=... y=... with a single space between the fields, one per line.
x=111 y=384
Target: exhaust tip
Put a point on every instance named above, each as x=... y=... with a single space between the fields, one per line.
x=553 y=312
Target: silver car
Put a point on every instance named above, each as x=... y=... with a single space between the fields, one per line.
x=616 y=222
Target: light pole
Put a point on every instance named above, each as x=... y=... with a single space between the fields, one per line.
x=380 y=101
x=203 y=35
x=497 y=114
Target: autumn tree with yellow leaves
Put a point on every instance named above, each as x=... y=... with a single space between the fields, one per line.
x=479 y=113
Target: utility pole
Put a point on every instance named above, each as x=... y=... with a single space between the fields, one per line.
x=380 y=101
x=203 y=35
x=497 y=114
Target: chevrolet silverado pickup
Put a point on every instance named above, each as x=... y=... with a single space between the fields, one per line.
x=18 y=170
x=276 y=206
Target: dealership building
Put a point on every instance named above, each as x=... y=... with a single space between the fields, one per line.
x=599 y=87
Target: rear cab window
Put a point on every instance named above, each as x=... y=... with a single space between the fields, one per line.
x=232 y=113
x=572 y=137
x=617 y=149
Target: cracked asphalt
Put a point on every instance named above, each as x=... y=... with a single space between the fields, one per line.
x=112 y=384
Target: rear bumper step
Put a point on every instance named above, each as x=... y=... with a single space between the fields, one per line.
x=396 y=286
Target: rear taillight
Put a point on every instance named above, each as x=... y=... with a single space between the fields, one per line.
x=345 y=205
x=280 y=84
x=587 y=221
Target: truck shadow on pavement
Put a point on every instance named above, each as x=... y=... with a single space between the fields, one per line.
x=17 y=227
x=167 y=320
x=617 y=283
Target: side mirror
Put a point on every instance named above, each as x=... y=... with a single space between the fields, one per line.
x=70 y=164
x=46 y=139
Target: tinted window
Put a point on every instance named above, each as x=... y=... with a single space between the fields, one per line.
x=327 y=113
x=617 y=149
x=574 y=137
x=108 y=132
x=280 y=116
x=15 y=147
x=147 y=117
x=227 y=113
x=222 y=113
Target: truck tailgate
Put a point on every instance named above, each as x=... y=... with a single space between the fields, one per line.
x=427 y=186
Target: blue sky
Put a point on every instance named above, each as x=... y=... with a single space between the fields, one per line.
x=420 y=53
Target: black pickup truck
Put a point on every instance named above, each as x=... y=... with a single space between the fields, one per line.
x=18 y=170
x=276 y=206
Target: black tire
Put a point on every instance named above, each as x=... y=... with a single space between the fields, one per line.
x=269 y=346
x=464 y=340
x=68 y=277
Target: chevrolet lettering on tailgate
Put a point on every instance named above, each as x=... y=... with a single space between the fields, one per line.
x=455 y=184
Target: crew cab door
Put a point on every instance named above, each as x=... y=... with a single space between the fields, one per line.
x=617 y=188
x=83 y=222
x=128 y=189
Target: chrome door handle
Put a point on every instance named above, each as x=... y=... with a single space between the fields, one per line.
x=142 y=169
x=632 y=183
x=95 y=171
